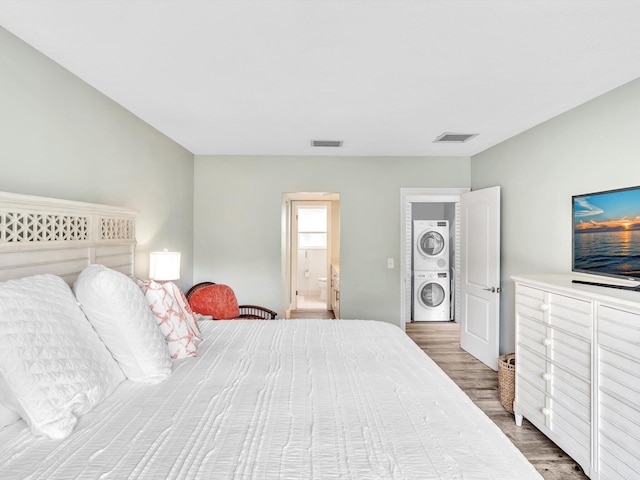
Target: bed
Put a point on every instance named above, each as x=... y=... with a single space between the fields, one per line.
x=281 y=399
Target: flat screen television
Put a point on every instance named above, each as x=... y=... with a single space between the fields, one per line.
x=606 y=233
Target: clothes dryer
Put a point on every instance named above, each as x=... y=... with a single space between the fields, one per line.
x=431 y=245
x=431 y=300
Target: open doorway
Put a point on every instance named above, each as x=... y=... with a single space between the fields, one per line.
x=476 y=259
x=311 y=253
x=420 y=204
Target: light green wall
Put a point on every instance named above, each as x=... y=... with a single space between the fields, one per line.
x=61 y=138
x=238 y=222
x=590 y=148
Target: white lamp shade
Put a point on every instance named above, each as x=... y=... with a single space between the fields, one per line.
x=164 y=266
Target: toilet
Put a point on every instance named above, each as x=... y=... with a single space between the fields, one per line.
x=322 y=283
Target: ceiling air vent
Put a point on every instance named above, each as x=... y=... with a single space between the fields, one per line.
x=326 y=143
x=455 y=137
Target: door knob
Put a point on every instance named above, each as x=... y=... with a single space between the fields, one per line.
x=492 y=289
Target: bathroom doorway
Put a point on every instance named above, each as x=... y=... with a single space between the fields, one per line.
x=311 y=253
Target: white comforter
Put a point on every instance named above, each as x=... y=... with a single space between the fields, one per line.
x=303 y=399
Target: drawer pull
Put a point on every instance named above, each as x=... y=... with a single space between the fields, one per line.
x=546 y=341
x=545 y=411
x=546 y=376
x=544 y=307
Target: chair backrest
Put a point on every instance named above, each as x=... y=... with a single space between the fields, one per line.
x=214 y=299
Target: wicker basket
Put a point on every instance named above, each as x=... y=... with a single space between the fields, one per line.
x=507 y=380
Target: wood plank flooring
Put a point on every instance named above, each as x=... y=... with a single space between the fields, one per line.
x=441 y=341
x=308 y=313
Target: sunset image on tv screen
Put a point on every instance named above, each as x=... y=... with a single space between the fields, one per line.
x=606 y=236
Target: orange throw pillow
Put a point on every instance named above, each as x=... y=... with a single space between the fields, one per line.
x=217 y=300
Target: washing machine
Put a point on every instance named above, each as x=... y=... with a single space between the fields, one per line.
x=431 y=245
x=431 y=296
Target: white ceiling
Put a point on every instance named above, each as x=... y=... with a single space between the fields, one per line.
x=386 y=77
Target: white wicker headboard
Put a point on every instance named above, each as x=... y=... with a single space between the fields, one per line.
x=48 y=235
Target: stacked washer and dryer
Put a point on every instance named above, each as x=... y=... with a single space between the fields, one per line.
x=431 y=282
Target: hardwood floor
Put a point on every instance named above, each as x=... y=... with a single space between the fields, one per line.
x=441 y=341
x=322 y=314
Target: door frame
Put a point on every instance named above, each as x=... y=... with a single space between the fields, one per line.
x=295 y=204
x=407 y=197
x=285 y=241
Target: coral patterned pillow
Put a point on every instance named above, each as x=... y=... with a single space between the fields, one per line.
x=217 y=300
x=182 y=302
x=181 y=340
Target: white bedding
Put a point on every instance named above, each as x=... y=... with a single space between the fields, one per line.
x=303 y=399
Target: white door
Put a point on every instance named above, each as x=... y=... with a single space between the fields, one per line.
x=480 y=274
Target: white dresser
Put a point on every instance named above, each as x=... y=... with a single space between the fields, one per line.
x=578 y=370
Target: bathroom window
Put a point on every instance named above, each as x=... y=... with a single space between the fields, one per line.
x=312 y=227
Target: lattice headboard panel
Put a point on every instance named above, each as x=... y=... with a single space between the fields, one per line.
x=47 y=235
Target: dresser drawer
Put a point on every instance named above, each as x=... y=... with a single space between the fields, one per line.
x=611 y=466
x=572 y=392
x=555 y=382
x=573 y=433
x=620 y=330
x=529 y=301
x=616 y=421
x=624 y=318
x=618 y=453
x=570 y=352
x=619 y=375
x=531 y=402
x=568 y=313
x=622 y=410
x=533 y=368
x=571 y=314
x=532 y=334
x=618 y=393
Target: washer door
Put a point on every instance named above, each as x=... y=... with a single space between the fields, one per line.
x=431 y=294
x=431 y=243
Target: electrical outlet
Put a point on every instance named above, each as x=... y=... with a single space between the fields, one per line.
x=390 y=263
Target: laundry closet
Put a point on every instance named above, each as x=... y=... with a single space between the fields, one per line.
x=434 y=260
x=431 y=254
x=472 y=263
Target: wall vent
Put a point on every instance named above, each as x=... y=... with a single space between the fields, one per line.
x=326 y=143
x=454 y=137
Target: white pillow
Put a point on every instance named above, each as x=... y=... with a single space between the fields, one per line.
x=119 y=312
x=171 y=320
x=53 y=366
